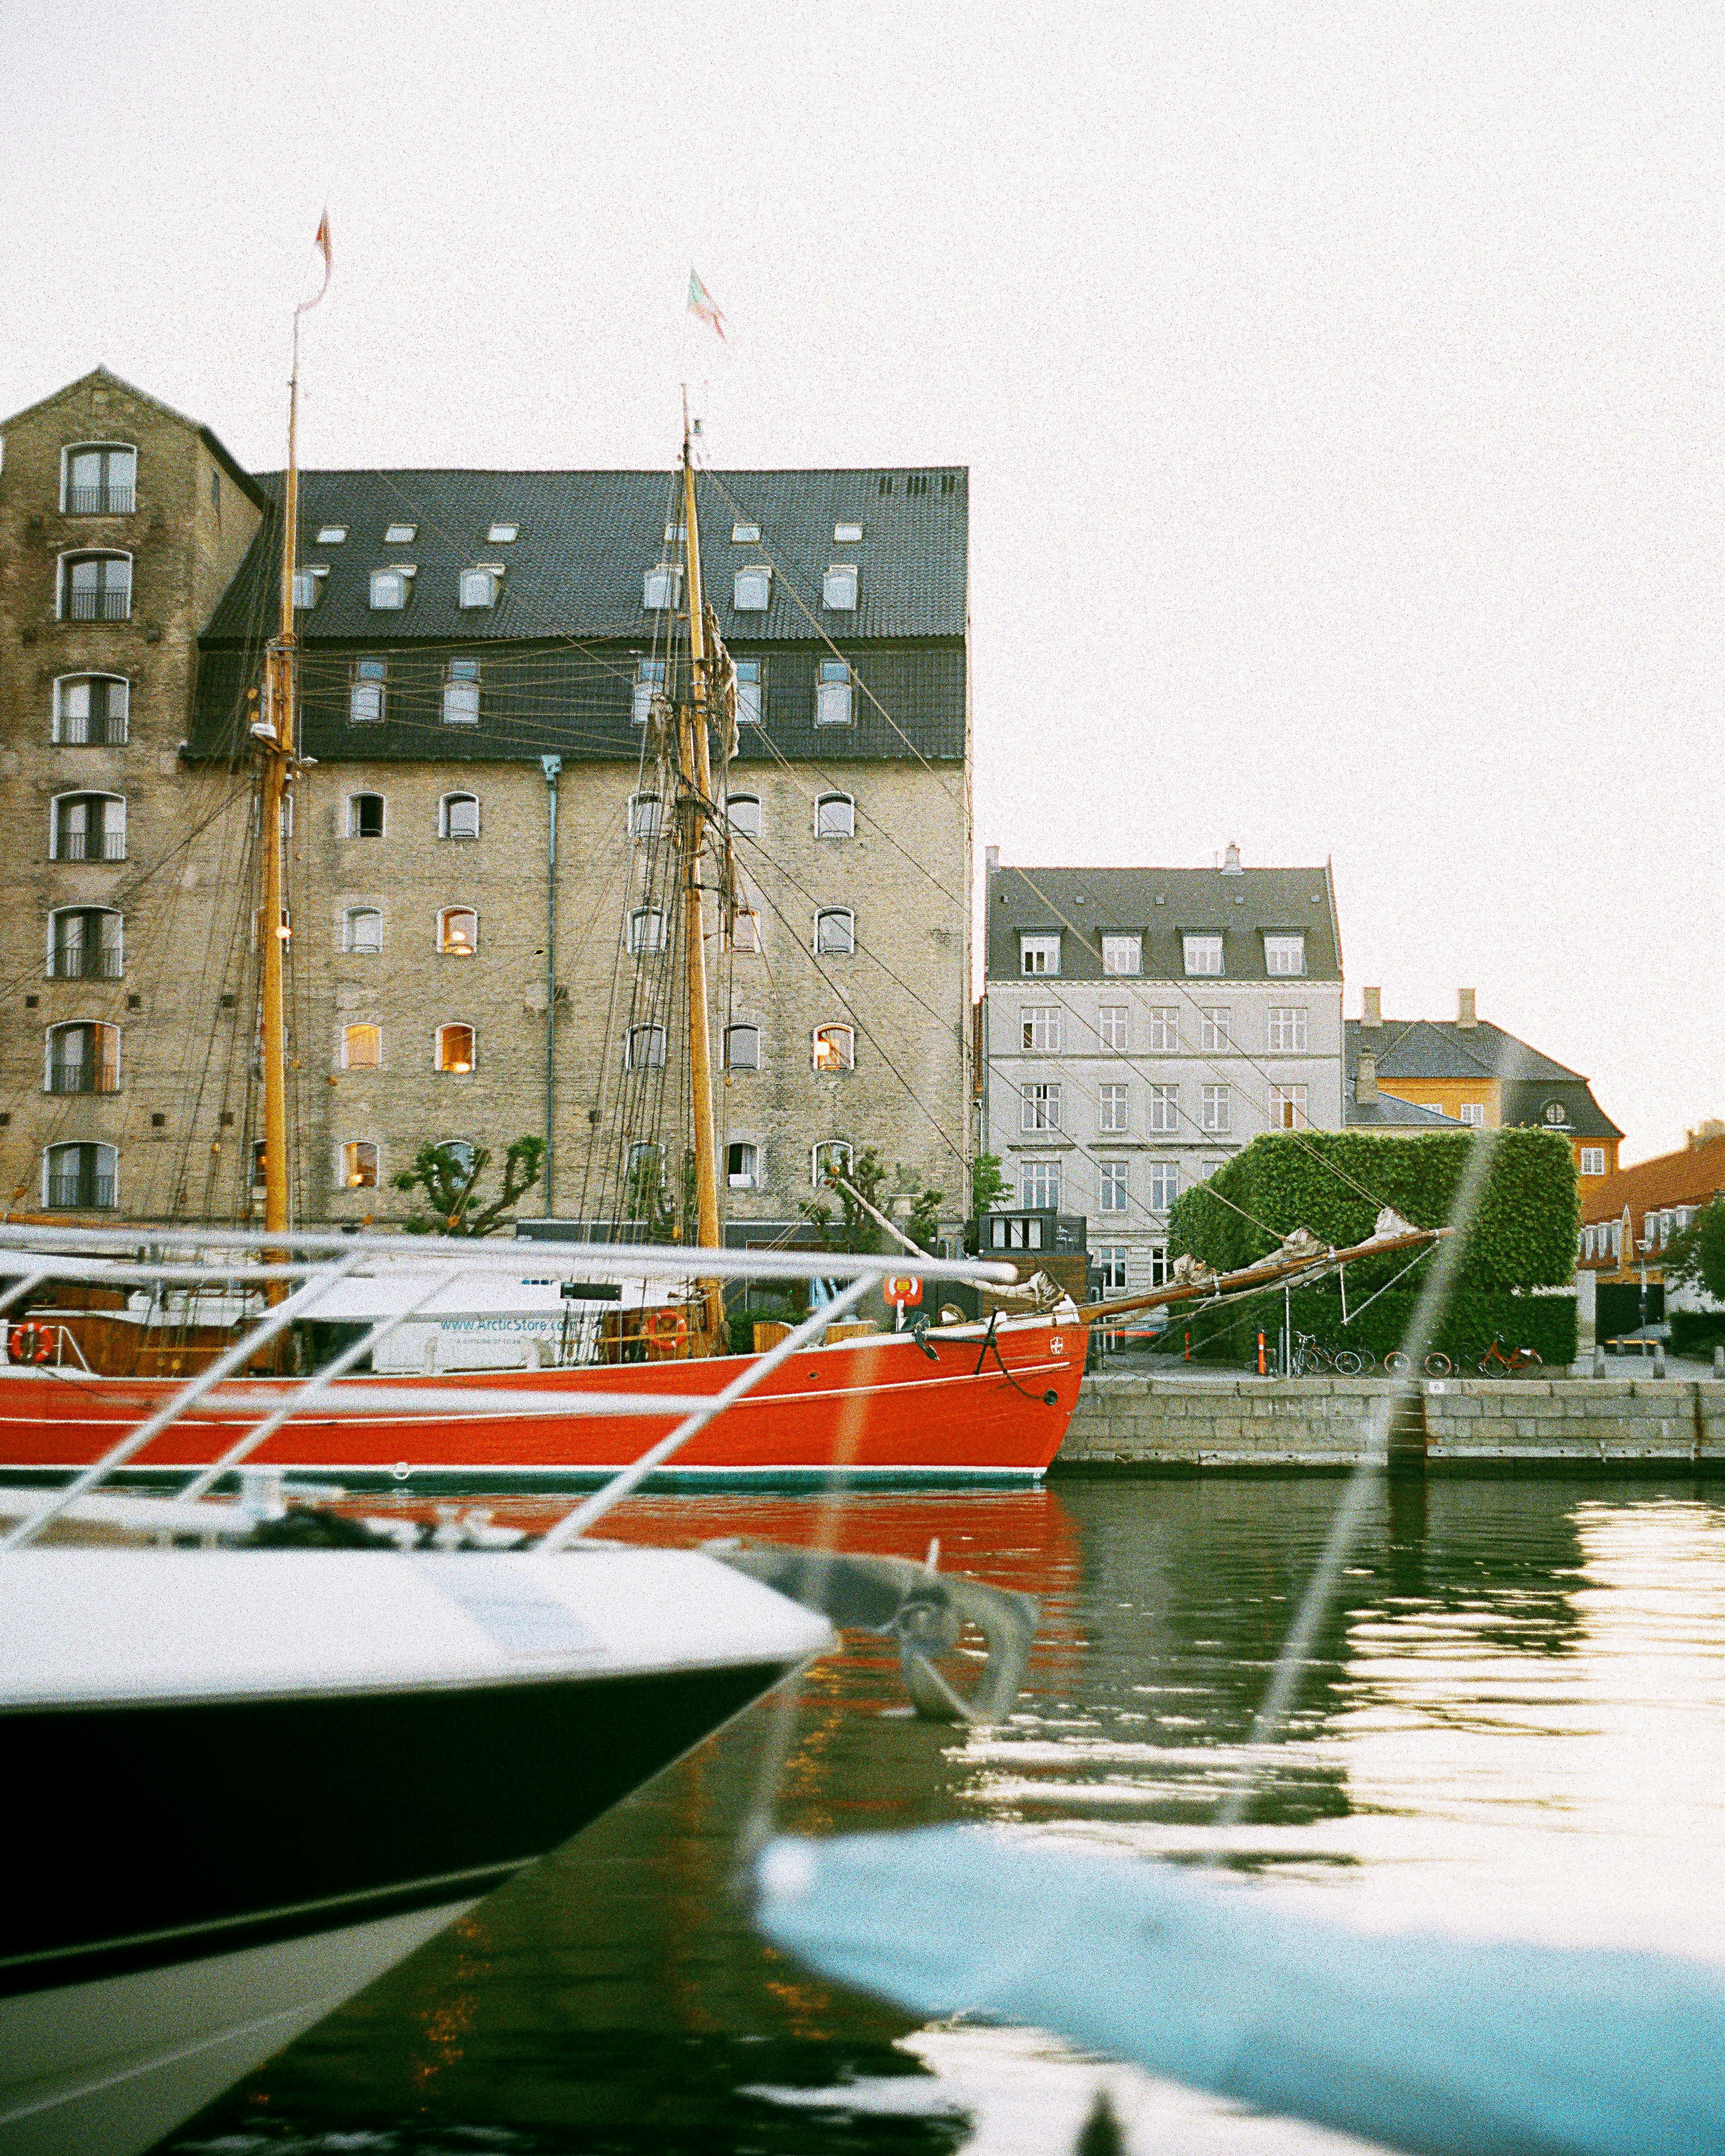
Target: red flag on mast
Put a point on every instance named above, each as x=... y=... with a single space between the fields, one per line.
x=322 y=243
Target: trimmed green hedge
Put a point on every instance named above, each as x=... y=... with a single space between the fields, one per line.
x=1523 y=1232
x=1474 y=1319
x=1697 y=1331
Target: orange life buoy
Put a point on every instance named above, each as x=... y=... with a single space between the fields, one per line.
x=666 y=1331
x=29 y=1343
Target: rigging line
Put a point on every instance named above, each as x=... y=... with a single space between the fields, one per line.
x=1245 y=1055
x=820 y=629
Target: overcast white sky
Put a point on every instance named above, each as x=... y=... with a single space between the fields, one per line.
x=1340 y=387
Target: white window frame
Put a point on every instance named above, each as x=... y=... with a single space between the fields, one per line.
x=749 y=824
x=116 y=943
x=834 y=704
x=451 y=1025
x=86 y=794
x=650 y=681
x=476 y=589
x=1039 y=1029
x=844 y=914
x=364 y=688
x=825 y=820
x=1112 y=1259
x=749 y=688
x=1201 y=945
x=69 y=1145
x=63 y=611
x=1113 y=1187
x=1114 y=1028
x=1122 y=954
x=742 y=1178
x=308 y=589
x=400 y=533
x=646 y=816
x=354 y=948
x=838 y=1035
x=662 y=587
x=502 y=535
x=1472 y=1113
x=1216 y=1109
x=1593 y=1160
x=1040 y=1105
x=743 y=1026
x=344 y=1047
x=1113 y=1107
x=344 y=1180
x=1216 y=1030
x=448 y=802
x=1287 y=1028
x=98 y=1027
x=645 y=931
x=839 y=588
x=382 y=582
x=1048 y=1194
x=86 y=676
x=654 y=1038
x=365 y=793
x=1285 y=953
x=818 y=1164
x=1164 y=1029
x=1164 y=1108
x=462 y=693
x=87 y=448
x=1164 y=1184
x=754 y=576
x=331 y=535
x=443 y=915
x=1288 y=1108
x=1042 y=947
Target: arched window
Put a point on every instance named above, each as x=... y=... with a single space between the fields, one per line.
x=362 y=1047
x=835 y=929
x=646 y=816
x=646 y=929
x=91 y=711
x=80 y=1178
x=87 y=827
x=99 y=478
x=455 y=1048
x=458 y=932
x=461 y=1150
x=363 y=929
x=832 y=1157
x=458 y=816
x=365 y=815
x=359 y=1165
x=835 y=816
x=742 y=1048
x=743 y=1162
x=85 y=943
x=834 y=1048
x=83 y=1057
x=95 y=587
x=744 y=810
x=644 y=1049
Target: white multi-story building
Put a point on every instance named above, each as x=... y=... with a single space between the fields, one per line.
x=1141 y=1026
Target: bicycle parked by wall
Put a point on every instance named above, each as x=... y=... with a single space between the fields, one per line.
x=1311 y=1358
x=1514 y=1363
x=1434 y=1365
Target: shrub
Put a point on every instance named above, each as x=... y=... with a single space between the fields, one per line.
x=1697 y=1331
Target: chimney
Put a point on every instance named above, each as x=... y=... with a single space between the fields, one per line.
x=1365 y=1078
x=1371 y=1007
x=1466 y=1014
x=1230 y=860
x=991 y=857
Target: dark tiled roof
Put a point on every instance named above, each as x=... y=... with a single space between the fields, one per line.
x=1162 y=905
x=1386 y=1113
x=587 y=537
x=1417 y=1048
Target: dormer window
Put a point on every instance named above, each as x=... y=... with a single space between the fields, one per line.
x=744 y=535
x=461 y=693
x=1203 y=954
x=650 y=681
x=837 y=588
x=365 y=695
x=332 y=535
x=752 y=589
x=1040 y=954
x=502 y=535
x=832 y=695
x=1284 y=954
x=1122 y=954
x=400 y=535
x=389 y=590
x=478 y=588
x=748 y=692
x=308 y=588
x=847 y=535
x=661 y=587
x=99 y=478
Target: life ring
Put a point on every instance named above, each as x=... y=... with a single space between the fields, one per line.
x=666 y=1333
x=29 y=1343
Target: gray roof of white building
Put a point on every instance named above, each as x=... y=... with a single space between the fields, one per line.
x=1161 y=905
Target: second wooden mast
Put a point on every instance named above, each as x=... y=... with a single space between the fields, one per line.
x=275 y=739
x=694 y=807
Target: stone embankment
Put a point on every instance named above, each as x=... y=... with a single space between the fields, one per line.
x=1185 y=1425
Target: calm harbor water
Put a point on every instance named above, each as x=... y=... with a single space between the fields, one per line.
x=1513 y=1722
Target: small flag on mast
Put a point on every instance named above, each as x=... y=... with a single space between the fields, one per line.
x=322 y=243
x=701 y=303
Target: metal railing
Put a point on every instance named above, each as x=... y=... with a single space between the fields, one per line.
x=85 y=962
x=430 y=1271
x=81 y=1193
x=83 y=1076
x=109 y=500
x=112 y=604
x=93 y=730
x=105 y=845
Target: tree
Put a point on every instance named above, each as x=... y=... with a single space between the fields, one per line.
x=449 y=1176
x=987 y=1185
x=1697 y=1253
x=855 y=1230
x=924 y=1223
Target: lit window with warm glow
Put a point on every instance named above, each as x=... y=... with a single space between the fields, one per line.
x=359 y=1165
x=455 y=1048
x=834 y=1048
x=362 y=1047
x=458 y=932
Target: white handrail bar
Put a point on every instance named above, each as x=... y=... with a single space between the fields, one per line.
x=595 y=1508
x=224 y=1366
x=377 y=1396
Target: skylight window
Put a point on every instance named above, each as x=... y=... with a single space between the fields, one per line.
x=744 y=535
x=400 y=535
x=502 y=535
x=331 y=535
x=847 y=535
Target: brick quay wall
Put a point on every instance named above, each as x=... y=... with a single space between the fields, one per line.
x=1187 y=1425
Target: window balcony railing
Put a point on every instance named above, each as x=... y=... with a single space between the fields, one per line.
x=85 y=962
x=83 y=1077
x=100 y=501
x=113 y=604
x=90 y=846
x=93 y=730
x=82 y=1193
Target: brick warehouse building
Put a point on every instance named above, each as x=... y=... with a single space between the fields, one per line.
x=458 y=629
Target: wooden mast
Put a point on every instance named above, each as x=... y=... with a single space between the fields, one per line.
x=275 y=739
x=693 y=808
